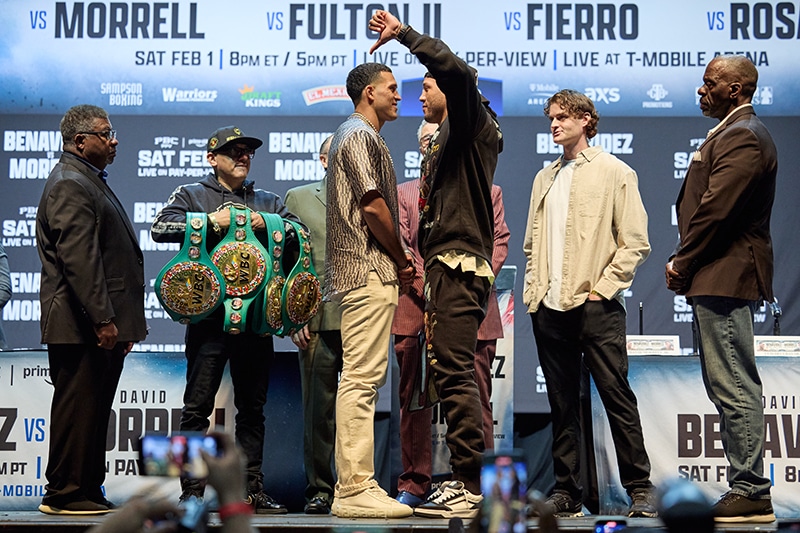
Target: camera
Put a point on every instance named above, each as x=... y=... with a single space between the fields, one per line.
x=177 y=455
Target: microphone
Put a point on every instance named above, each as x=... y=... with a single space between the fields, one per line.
x=776 y=314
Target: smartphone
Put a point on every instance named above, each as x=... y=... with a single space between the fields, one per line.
x=609 y=526
x=175 y=455
x=504 y=482
x=195 y=516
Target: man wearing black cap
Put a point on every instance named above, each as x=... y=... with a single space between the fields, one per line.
x=208 y=347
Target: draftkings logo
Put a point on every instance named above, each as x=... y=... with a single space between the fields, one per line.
x=253 y=98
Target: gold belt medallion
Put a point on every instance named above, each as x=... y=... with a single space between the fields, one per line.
x=190 y=289
x=242 y=265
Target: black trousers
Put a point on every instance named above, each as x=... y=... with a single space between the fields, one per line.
x=594 y=334
x=208 y=349
x=455 y=308
x=85 y=380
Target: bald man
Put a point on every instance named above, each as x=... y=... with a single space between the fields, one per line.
x=723 y=264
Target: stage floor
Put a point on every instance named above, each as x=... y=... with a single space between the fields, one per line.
x=28 y=521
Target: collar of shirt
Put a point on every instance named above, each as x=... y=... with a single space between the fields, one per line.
x=724 y=120
x=102 y=174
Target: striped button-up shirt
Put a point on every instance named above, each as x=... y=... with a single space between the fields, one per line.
x=358 y=162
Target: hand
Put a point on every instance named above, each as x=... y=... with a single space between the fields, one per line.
x=406 y=274
x=594 y=297
x=226 y=473
x=302 y=337
x=106 y=335
x=675 y=282
x=257 y=221
x=222 y=218
x=141 y=514
x=387 y=25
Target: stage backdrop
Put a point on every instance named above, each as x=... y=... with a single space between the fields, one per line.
x=170 y=73
x=681 y=431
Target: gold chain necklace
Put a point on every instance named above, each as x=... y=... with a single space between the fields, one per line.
x=365 y=119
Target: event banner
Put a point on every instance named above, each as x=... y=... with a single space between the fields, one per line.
x=682 y=431
x=160 y=153
x=291 y=58
x=148 y=400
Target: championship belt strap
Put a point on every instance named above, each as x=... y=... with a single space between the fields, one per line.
x=268 y=317
x=189 y=286
x=301 y=293
x=242 y=260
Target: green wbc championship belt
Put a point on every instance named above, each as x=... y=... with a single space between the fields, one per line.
x=190 y=287
x=301 y=293
x=242 y=261
x=268 y=314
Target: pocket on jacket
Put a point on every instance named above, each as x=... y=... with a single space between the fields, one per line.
x=591 y=203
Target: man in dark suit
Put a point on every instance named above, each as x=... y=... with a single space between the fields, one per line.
x=320 y=344
x=723 y=264
x=92 y=297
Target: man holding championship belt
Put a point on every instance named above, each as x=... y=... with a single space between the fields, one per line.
x=214 y=340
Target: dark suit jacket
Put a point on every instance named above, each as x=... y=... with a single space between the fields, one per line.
x=724 y=212
x=309 y=203
x=92 y=266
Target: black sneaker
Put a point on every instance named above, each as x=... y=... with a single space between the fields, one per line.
x=559 y=504
x=318 y=505
x=80 y=508
x=451 y=500
x=642 y=505
x=733 y=507
x=263 y=503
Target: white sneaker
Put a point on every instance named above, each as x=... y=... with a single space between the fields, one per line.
x=451 y=500
x=370 y=503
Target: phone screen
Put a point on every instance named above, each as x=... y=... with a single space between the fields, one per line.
x=504 y=482
x=609 y=526
x=176 y=455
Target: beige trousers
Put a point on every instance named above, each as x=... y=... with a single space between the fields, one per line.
x=367 y=314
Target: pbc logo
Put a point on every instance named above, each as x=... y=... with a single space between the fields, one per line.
x=607 y=95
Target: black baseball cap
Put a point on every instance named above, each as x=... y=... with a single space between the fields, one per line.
x=230 y=134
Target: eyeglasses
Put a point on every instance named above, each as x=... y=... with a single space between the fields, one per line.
x=108 y=135
x=237 y=153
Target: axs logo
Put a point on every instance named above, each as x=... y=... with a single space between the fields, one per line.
x=608 y=95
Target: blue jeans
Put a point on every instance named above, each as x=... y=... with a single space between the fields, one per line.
x=725 y=328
